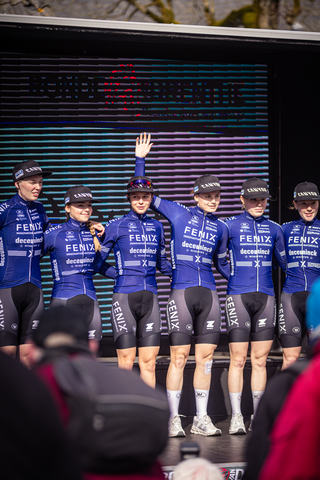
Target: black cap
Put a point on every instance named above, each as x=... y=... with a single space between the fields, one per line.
x=306 y=191
x=26 y=169
x=78 y=194
x=255 y=187
x=140 y=184
x=205 y=184
x=70 y=322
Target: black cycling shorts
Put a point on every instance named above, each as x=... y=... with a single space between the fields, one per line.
x=291 y=318
x=193 y=310
x=20 y=309
x=250 y=316
x=91 y=310
x=136 y=319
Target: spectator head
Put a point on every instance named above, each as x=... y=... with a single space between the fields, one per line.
x=313 y=313
x=61 y=328
x=197 y=469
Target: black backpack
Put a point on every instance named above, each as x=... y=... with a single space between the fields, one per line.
x=118 y=424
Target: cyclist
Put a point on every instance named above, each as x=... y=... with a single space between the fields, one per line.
x=138 y=245
x=75 y=253
x=250 y=303
x=302 y=240
x=198 y=237
x=22 y=222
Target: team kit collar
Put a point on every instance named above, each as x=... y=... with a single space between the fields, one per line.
x=21 y=201
x=74 y=223
x=200 y=212
x=308 y=223
x=250 y=217
x=139 y=216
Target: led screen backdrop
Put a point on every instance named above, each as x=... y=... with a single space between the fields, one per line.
x=79 y=117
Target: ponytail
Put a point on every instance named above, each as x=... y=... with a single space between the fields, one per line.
x=96 y=242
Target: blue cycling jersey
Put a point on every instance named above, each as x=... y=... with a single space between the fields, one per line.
x=197 y=239
x=22 y=225
x=73 y=260
x=253 y=243
x=302 y=240
x=138 y=246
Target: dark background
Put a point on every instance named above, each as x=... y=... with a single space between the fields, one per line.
x=294 y=99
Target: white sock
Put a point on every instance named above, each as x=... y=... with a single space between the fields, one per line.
x=235 y=399
x=173 y=401
x=202 y=397
x=256 y=397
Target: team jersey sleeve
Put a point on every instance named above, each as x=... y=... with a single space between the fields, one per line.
x=167 y=208
x=46 y=224
x=109 y=239
x=48 y=240
x=163 y=263
x=2 y=215
x=140 y=167
x=107 y=270
x=280 y=249
x=220 y=255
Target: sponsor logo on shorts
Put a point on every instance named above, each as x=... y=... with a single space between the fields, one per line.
x=118 y=318
x=189 y=326
x=172 y=316
x=232 y=316
x=282 y=324
x=262 y=322
x=91 y=334
x=14 y=326
x=35 y=324
x=296 y=329
x=1 y=315
x=149 y=327
x=210 y=324
x=247 y=324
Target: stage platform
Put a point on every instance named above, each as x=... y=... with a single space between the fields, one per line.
x=227 y=451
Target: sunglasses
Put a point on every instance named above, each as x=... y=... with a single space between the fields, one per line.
x=140 y=183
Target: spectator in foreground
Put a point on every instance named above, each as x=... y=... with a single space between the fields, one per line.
x=33 y=441
x=117 y=423
x=295 y=437
x=197 y=469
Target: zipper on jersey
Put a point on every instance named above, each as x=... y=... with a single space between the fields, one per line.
x=202 y=228
x=32 y=245
x=83 y=277
x=257 y=255
x=145 y=251
x=303 y=268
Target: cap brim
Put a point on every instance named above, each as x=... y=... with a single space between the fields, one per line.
x=84 y=200
x=257 y=195
x=209 y=190
x=306 y=199
x=44 y=173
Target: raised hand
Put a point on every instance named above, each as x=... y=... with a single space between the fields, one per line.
x=143 y=145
